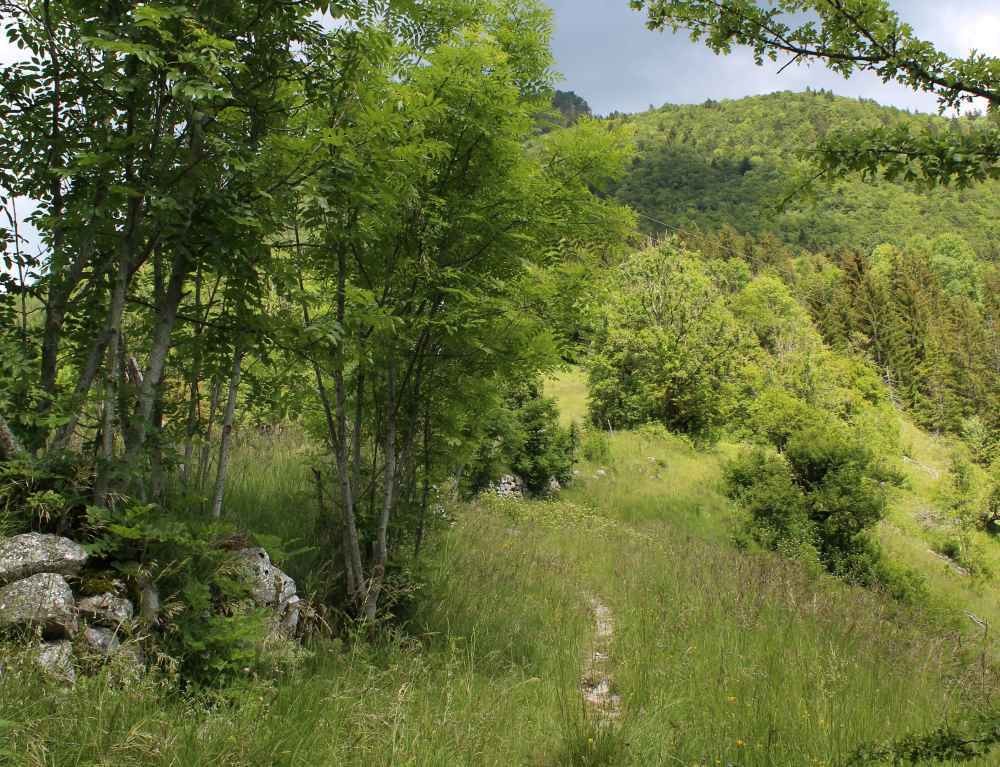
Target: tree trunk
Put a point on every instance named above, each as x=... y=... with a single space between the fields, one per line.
x=388 y=498
x=426 y=490
x=112 y=382
x=139 y=429
x=227 y=434
x=206 y=448
x=344 y=470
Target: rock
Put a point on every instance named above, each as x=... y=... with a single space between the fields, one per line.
x=106 y=610
x=32 y=553
x=56 y=660
x=510 y=486
x=554 y=486
x=269 y=585
x=290 y=618
x=149 y=601
x=101 y=640
x=44 y=601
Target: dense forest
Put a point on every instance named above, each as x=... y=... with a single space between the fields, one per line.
x=747 y=164
x=365 y=399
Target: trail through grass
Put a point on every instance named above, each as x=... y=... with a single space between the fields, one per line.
x=704 y=654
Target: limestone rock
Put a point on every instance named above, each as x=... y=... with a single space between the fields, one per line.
x=44 y=601
x=510 y=486
x=32 y=553
x=56 y=659
x=101 y=640
x=106 y=610
x=269 y=585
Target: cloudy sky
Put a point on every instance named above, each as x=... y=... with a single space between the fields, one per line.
x=607 y=55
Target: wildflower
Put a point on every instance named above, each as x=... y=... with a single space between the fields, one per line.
x=731 y=699
x=740 y=744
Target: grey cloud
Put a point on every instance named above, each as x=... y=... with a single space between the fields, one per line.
x=607 y=55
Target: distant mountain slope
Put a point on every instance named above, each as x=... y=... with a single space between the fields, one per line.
x=733 y=162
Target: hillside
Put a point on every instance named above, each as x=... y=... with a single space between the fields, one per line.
x=349 y=416
x=732 y=163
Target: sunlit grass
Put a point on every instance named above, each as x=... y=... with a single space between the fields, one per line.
x=720 y=656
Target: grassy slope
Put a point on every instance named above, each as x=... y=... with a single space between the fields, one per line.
x=720 y=657
x=909 y=539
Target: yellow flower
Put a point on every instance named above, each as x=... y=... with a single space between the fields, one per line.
x=731 y=699
x=740 y=744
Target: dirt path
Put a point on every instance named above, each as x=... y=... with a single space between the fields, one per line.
x=602 y=702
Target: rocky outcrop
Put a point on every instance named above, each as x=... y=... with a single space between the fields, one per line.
x=42 y=601
x=101 y=640
x=271 y=587
x=106 y=610
x=510 y=486
x=32 y=553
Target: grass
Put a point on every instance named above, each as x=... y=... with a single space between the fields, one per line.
x=917 y=521
x=721 y=657
x=569 y=388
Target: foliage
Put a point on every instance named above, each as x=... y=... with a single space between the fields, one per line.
x=862 y=36
x=669 y=347
x=249 y=217
x=525 y=438
x=742 y=164
x=824 y=491
x=948 y=744
x=208 y=630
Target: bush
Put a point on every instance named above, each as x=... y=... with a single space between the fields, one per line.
x=525 y=438
x=595 y=446
x=208 y=628
x=823 y=494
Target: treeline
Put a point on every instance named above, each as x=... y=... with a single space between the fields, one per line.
x=925 y=315
x=258 y=211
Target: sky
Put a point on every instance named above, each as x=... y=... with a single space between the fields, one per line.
x=606 y=54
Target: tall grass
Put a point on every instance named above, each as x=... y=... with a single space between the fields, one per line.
x=720 y=657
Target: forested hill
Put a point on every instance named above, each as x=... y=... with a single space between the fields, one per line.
x=734 y=163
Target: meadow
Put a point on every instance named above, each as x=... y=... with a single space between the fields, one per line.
x=720 y=656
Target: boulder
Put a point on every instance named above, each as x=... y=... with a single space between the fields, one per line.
x=101 y=640
x=56 y=660
x=510 y=486
x=33 y=553
x=269 y=585
x=42 y=601
x=554 y=486
x=106 y=610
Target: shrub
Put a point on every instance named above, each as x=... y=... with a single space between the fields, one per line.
x=208 y=628
x=669 y=349
x=824 y=493
x=595 y=446
x=525 y=438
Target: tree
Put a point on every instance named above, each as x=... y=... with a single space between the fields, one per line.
x=669 y=349
x=860 y=35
